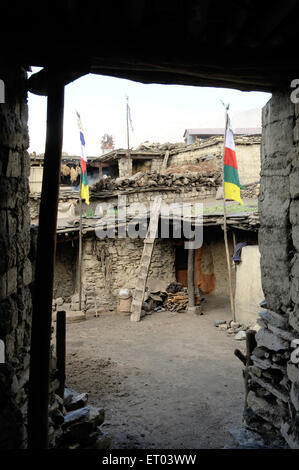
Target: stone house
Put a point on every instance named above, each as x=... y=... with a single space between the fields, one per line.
x=154 y=158
x=272 y=404
x=111 y=263
x=70 y=172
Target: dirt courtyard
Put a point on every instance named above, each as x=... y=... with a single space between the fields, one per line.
x=169 y=381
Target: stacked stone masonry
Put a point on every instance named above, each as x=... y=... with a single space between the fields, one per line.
x=18 y=248
x=273 y=399
x=247 y=149
x=109 y=265
x=15 y=263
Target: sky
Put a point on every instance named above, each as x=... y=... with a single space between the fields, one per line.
x=160 y=113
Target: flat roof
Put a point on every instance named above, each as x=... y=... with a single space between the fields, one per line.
x=220 y=131
x=135 y=154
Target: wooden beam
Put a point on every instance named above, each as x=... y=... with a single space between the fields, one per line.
x=165 y=160
x=39 y=82
x=44 y=272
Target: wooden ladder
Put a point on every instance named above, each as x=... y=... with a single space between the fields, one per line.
x=145 y=262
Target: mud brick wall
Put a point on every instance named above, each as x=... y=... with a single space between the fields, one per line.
x=111 y=264
x=15 y=265
x=273 y=400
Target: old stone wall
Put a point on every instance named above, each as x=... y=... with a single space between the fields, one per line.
x=273 y=400
x=187 y=194
x=65 y=269
x=213 y=149
x=15 y=265
x=111 y=264
x=248 y=150
x=125 y=167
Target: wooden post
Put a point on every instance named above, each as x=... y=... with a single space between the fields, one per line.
x=128 y=132
x=60 y=350
x=191 y=291
x=44 y=272
x=250 y=345
x=228 y=260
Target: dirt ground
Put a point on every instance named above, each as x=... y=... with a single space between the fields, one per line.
x=169 y=381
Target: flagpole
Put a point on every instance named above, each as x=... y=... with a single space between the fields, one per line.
x=232 y=305
x=128 y=137
x=128 y=132
x=80 y=243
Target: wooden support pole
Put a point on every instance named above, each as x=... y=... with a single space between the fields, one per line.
x=44 y=272
x=165 y=160
x=60 y=350
x=240 y=356
x=228 y=260
x=191 y=289
x=128 y=132
x=250 y=345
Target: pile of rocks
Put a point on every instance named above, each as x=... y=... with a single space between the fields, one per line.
x=207 y=178
x=251 y=191
x=156 y=146
x=183 y=147
x=76 y=425
x=235 y=329
x=273 y=403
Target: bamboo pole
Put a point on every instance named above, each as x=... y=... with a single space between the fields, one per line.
x=80 y=245
x=231 y=295
x=44 y=272
x=128 y=131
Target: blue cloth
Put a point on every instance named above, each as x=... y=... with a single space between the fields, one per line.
x=238 y=250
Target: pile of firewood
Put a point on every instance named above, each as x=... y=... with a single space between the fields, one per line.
x=176 y=302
